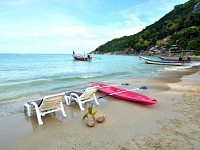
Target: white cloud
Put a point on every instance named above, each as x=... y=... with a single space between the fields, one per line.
x=126 y=31
x=72 y=30
x=117 y=23
x=63 y=37
x=146 y=13
x=127 y=22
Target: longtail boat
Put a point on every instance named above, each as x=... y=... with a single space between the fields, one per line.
x=82 y=58
x=163 y=62
x=188 y=60
x=159 y=62
x=124 y=94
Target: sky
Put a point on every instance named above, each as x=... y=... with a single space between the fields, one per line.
x=61 y=26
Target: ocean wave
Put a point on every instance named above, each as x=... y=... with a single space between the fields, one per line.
x=195 y=64
x=177 y=68
x=186 y=66
x=14 y=90
x=88 y=76
x=172 y=68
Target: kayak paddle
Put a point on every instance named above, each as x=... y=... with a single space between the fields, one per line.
x=143 y=88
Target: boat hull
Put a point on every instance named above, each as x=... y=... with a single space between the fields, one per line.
x=157 y=62
x=124 y=94
x=81 y=58
x=164 y=62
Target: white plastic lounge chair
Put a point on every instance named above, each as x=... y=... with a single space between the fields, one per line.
x=47 y=105
x=82 y=98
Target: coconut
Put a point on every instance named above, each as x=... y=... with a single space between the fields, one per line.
x=101 y=119
x=91 y=123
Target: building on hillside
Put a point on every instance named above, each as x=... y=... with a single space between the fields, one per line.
x=173 y=48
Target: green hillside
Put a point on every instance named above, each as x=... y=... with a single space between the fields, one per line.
x=181 y=24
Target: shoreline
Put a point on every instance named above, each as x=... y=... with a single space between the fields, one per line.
x=133 y=127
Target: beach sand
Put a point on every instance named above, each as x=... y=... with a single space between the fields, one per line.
x=173 y=123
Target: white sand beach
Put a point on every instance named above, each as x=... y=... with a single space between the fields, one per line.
x=173 y=123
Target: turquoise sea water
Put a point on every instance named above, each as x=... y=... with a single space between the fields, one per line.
x=27 y=75
x=24 y=75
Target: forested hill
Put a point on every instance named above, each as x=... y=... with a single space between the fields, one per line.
x=182 y=24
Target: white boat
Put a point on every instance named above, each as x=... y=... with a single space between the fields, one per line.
x=148 y=61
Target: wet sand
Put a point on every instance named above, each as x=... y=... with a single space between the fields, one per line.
x=173 y=123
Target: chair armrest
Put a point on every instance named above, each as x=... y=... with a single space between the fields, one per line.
x=35 y=104
x=74 y=95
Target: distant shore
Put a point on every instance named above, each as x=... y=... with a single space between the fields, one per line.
x=173 y=123
x=146 y=53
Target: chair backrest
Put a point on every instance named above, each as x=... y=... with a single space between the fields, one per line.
x=88 y=93
x=51 y=102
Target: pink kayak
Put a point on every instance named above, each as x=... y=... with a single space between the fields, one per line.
x=124 y=94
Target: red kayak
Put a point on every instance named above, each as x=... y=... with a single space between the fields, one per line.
x=124 y=94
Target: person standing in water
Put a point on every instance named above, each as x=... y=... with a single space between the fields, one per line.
x=89 y=57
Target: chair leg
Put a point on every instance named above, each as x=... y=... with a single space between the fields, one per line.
x=95 y=99
x=40 y=122
x=80 y=104
x=62 y=109
x=27 y=108
x=67 y=99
